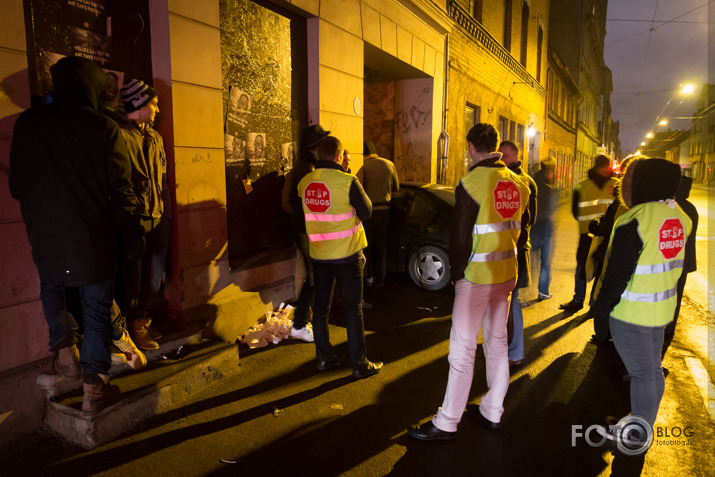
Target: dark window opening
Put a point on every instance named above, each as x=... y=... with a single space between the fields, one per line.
x=507 y=24
x=264 y=61
x=524 y=32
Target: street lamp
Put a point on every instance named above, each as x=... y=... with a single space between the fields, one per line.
x=649 y=135
x=663 y=122
x=687 y=89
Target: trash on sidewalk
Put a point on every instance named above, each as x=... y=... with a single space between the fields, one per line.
x=336 y=406
x=276 y=412
x=272 y=327
x=426 y=308
x=228 y=461
x=180 y=352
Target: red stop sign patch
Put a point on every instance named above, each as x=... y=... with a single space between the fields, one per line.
x=316 y=197
x=671 y=238
x=507 y=199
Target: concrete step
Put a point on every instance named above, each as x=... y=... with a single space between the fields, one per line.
x=165 y=384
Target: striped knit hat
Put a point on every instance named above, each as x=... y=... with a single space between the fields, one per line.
x=136 y=94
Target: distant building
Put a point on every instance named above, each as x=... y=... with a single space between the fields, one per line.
x=702 y=142
x=577 y=34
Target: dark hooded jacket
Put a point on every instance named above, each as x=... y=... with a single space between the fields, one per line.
x=681 y=197
x=70 y=172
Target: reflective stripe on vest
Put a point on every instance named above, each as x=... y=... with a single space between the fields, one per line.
x=648 y=297
x=581 y=218
x=659 y=267
x=496 y=227
x=329 y=217
x=492 y=256
x=334 y=235
x=591 y=203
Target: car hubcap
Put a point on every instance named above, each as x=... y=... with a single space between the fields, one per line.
x=429 y=268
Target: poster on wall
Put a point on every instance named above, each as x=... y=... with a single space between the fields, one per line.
x=235 y=149
x=68 y=28
x=287 y=155
x=257 y=149
x=239 y=109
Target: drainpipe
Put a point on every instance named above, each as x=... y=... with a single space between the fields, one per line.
x=443 y=136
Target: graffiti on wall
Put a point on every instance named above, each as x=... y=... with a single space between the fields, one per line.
x=413 y=130
x=378 y=125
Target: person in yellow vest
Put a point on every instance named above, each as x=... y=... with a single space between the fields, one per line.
x=490 y=220
x=591 y=198
x=638 y=292
x=334 y=205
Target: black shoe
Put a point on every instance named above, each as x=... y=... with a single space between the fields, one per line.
x=331 y=361
x=473 y=410
x=573 y=305
x=429 y=432
x=367 y=370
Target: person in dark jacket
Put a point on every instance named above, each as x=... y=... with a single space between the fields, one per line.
x=602 y=227
x=515 y=319
x=292 y=204
x=591 y=197
x=142 y=279
x=70 y=172
x=690 y=265
x=541 y=232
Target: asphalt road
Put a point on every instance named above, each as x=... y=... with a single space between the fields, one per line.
x=279 y=416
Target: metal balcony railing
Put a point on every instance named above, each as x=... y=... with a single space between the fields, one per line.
x=489 y=43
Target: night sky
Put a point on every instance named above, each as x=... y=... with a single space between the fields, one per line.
x=653 y=47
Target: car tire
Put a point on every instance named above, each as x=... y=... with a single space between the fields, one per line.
x=429 y=267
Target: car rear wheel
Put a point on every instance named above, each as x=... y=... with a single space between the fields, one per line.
x=429 y=267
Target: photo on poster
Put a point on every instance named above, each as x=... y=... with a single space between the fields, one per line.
x=48 y=59
x=257 y=147
x=235 y=149
x=239 y=108
x=239 y=101
x=288 y=154
x=113 y=84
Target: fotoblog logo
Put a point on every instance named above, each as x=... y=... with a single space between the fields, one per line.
x=633 y=435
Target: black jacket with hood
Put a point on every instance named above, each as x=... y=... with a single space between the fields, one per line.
x=70 y=172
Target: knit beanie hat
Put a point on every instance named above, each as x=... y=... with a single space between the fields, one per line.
x=136 y=94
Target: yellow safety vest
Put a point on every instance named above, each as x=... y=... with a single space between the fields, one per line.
x=650 y=296
x=332 y=225
x=593 y=201
x=502 y=197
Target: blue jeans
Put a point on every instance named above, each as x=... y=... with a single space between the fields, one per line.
x=584 y=244
x=639 y=347
x=540 y=238
x=96 y=302
x=349 y=279
x=516 y=346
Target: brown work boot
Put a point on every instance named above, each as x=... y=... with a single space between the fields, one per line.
x=99 y=396
x=66 y=362
x=139 y=331
x=134 y=358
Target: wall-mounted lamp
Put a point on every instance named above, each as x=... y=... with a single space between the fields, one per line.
x=531 y=130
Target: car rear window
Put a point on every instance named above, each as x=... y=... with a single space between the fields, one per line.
x=446 y=195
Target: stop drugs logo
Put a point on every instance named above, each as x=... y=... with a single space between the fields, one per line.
x=671 y=238
x=317 y=197
x=507 y=199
